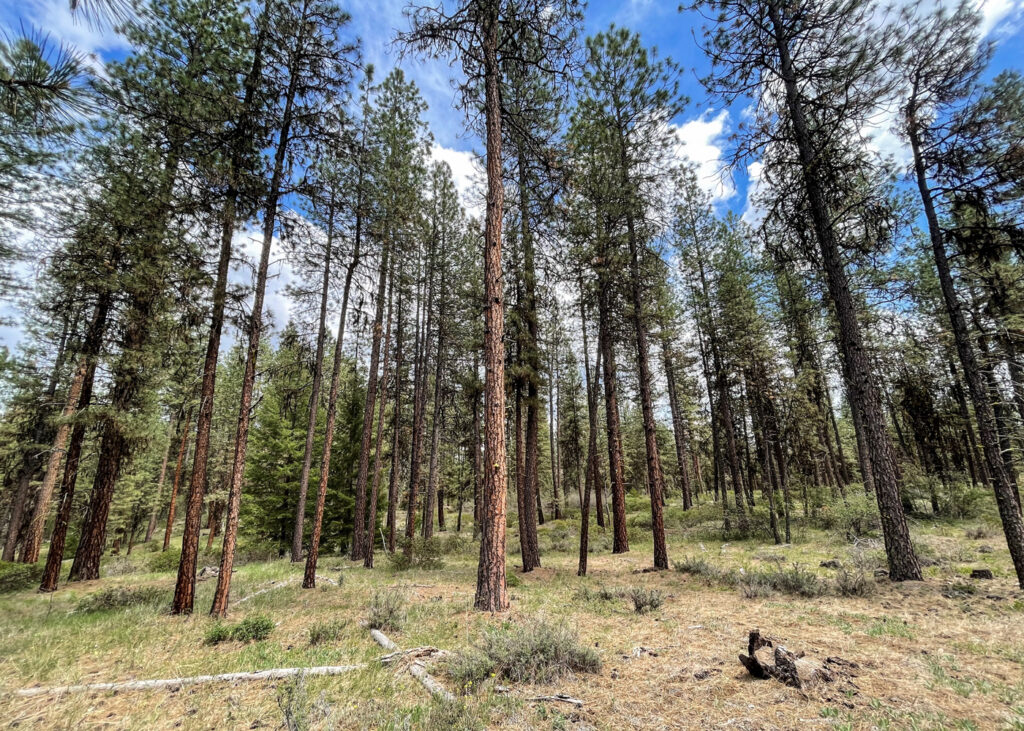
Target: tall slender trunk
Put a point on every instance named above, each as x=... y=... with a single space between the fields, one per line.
x=34 y=533
x=654 y=475
x=219 y=607
x=491 y=590
x=553 y=434
x=396 y=431
x=430 y=499
x=173 y=502
x=378 y=457
x=476 y=463
x=620 y=541
x=1006 y=499
x=358 y=548
x=419 y=397
x=863 y=387
x=679 y=430
x=154 y=514
x=309 y=575
x=185 y=583
x=314 y=394
x=91 y=347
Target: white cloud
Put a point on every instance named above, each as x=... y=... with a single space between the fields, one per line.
x=467 y=175
x=753 y=214
x=994 y=12
x=701 y=141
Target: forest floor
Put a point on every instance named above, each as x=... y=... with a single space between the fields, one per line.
x=944 y=653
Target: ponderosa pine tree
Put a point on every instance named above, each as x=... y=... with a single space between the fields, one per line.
x=795 y=42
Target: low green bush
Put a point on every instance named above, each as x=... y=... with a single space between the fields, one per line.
x=122 y=597
x=421 y=553
x=164 y=561
x=645 y=600
x=19 y=576
x=387 y=610
x=535 y=652
x=322 y=632
x=251 y=629
x=796 y=581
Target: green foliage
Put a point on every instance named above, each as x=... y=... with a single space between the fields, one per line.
x=645 y=600
x=328 y=631
x=164 y=561
x=698 y=566
x=386 y=611
x=962 y=501
x=855 y=517
x=425 y=553
x=854 y=583
x=251 y=629
x=122 y=597
x=535 y=652
x=19 y=576
x=796 y=580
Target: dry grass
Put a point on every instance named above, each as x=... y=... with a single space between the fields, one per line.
x=926 y=660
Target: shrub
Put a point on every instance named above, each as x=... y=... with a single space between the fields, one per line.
x=645 y=600
x=513 y=580
x=698 y=566
x=854 y=583
x=387 y=610
x=424 y=553
x=18 y=576
x=962 y=501
x=322 y=632
x=119 y=566
x=852 y=518
x=978 y=532
x=253 y=629
x=796 y=580
x=217 y=632
x=164 y=561
x=537 y=652
x=122 y=597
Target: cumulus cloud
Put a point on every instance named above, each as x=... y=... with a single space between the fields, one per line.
x=701 y=141
x=467 y=175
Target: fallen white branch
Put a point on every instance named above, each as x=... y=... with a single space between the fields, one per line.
x=559 y=698
x=279 y=585
x=416 y=668
x=179 y=682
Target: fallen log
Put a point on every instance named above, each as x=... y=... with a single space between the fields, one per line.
x=558 y=698
x=416 y=668
x=179 y=682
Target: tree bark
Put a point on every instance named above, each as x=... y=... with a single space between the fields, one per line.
x=314 y=394
x=620 y=541
x=863 y=388
x=91 y=347
x=172 y=503
x=491 y=590
x=1006 y=499
x=358 y=535
x=371 y=513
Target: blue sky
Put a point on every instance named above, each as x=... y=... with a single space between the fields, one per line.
x=703 y=127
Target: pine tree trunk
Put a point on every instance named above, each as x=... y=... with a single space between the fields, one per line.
x=620 y=541
x=34 y=533
x=91 y=347
x=646 y=401
x=863 y=388
x=378 y=457
x=419 y=405
x=314 y=394
x=219 y=607
x=172 y=503
x=154 y=514
x=358 y=548
x=1006 y=498
x=435 y=428
x=678 y=425
x=309 y=575
x=396 y=431
x=491 y=590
